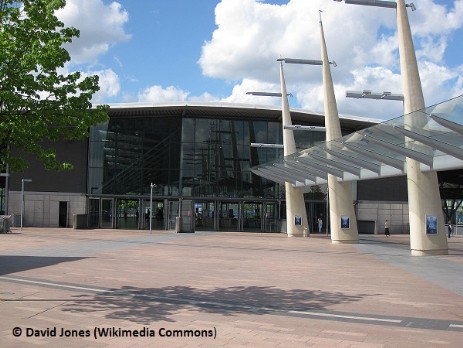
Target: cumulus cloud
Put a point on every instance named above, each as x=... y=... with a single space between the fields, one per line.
x=109 y=85
x=100 y=27
x=171 y=94
x=239 y=91
x=158 y=94
x=251 y=35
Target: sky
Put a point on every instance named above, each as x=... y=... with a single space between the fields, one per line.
x=184 y=51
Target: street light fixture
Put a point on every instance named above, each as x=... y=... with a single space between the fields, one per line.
x=377 y=3
x=304 y=61
x=275 y=146
x=374 y=95
x=310 y=128
x=22 y=199
x=267 y=94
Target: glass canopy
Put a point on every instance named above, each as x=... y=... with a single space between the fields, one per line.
x=432 y=136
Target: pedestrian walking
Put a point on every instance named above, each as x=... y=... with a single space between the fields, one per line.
x=450 y=229
x=386 y=229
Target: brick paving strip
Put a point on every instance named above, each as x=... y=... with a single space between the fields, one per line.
x=420 y=323
x=254 y=290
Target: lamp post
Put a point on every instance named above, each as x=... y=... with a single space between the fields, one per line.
x=22 y=199
x=151 y=206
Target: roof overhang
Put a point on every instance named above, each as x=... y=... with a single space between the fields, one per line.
x=433 y=137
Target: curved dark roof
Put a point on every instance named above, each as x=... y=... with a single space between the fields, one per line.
x=229 y=110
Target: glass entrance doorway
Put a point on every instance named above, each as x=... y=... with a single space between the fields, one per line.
x=127 y=214
x=319 y=217
x=94 y=212
x=172 y=214
x=229 y=216
x=204 y=216
x=252 y=217
x=101 y=213
x=271 y=217
x=157 y=222
x=107 y=213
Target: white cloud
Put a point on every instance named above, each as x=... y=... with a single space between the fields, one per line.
x=158 y=94
x=239 y=93
x=109 y=85
x=205 y=97
x=251 y=35
x=100 y=27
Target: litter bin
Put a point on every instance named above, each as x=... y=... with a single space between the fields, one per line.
x=79 y=221
x=178 y=224
x=5 y=223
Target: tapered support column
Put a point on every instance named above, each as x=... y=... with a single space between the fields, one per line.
x=423 y=188
x=295 y=204
x=340 y=193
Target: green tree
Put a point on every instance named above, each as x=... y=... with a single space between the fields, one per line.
x=39 y=103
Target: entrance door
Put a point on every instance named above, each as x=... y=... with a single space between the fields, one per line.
x=107 y=213
x=127 y=214
x=204 y=216
x=157 y=221
x=252 y=217
x=271 y=217
x=187 y=216
x=320 y=212
x=172 y=213
x=229 y=216
x=158 y=215
x=63 y=214
x=94 y=213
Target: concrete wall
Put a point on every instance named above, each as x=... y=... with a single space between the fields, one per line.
x=395 y=212
x=42 y=208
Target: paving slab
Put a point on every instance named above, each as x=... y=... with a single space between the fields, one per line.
x=125 y=288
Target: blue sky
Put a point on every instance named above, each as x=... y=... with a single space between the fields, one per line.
x=172 y=51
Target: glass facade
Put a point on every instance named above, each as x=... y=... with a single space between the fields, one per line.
x=200 y=165
x=185 y=157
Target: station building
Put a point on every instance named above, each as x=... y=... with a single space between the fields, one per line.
x=191 y=161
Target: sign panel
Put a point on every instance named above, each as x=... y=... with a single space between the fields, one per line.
x=345 y=221
x=431 y=224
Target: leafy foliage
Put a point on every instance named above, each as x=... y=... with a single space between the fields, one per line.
x=38 y=100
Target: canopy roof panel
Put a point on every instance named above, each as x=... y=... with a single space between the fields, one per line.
x=432 y=136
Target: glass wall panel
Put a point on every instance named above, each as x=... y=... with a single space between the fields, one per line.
x=127 y=154
x=217 y=158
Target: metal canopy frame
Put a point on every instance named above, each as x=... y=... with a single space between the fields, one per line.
x=380 y=150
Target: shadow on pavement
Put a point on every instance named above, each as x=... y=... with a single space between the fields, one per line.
x=147 y=305
x=12 y=264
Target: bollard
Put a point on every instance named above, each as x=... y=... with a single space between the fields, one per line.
x=306 y=232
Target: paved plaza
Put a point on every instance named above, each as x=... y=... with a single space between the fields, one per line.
x=101 y=288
